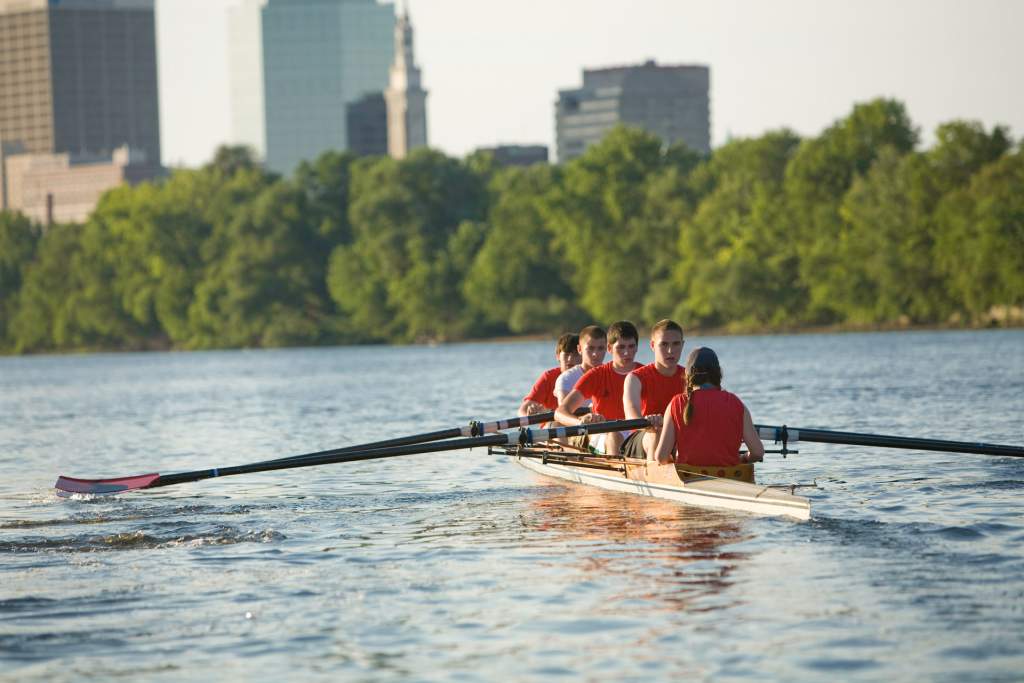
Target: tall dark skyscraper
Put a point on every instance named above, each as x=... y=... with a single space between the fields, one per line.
x=79 y=76
x=367 y=121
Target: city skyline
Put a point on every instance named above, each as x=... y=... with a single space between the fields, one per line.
x=494 y=70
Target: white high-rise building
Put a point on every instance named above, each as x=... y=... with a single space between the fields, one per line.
x=295 y=67
x=245 y=66
x=405 y=96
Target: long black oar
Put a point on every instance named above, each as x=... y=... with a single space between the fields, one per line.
x=788 y=435
x=474 y=428
x=524 y=437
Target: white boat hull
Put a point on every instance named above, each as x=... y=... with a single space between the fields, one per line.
x=662 y=481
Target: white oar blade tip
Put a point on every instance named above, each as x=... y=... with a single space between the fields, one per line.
x=104 y=486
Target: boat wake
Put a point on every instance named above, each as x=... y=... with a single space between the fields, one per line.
x=138 y=540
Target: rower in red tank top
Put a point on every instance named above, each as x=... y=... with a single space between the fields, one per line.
x=542 y=395
x=603 y=386
x=706 y=425
x=648 y=390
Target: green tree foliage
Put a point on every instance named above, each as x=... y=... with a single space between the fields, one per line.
x=264 y=281
x=887 y=255
x=981 y=238
x=18 y=241
x=397 y=280
x=890 y=242
x=737 y=265
x=817 y=178
x=671 y=197
x=325 y=185
x=515 y=281
x=67 y=300
x=151 y=235
x=597 y=214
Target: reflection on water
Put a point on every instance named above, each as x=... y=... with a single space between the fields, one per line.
x=682 y=549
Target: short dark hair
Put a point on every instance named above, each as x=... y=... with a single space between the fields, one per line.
x=622 y=329
x=568 y=343
x=592 y=332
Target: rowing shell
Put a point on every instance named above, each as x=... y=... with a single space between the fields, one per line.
x=645 y=478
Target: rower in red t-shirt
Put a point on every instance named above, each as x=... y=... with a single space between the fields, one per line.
x=603 y=386
x=542 y=395
x=648 y=390
x=705 y=425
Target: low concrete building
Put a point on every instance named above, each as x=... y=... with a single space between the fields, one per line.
x=517 y=155
x=59 y=188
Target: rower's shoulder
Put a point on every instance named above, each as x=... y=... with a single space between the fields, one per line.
x=575 y=372
x=639 y=369
x=551 y=373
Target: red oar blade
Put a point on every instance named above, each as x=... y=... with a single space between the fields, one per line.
x=104 y=486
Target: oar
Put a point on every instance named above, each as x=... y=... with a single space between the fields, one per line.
x=524 y=437
x=790 y=434
x=474 y=428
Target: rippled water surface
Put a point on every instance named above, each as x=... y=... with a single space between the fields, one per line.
x=463 y=566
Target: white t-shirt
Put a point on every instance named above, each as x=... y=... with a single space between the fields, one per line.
x=566 y=381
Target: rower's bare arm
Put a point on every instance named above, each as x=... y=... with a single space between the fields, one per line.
x=751 y=438
x=631 y=397
x=566 y=408
x=565 y=414
x=666 y=440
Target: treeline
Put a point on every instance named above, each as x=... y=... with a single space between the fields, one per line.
x=856 y=226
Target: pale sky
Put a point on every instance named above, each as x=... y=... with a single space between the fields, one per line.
x=493 y=68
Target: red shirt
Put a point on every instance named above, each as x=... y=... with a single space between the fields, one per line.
x=656 y=390
x=543 y=390
x=715 y=431
x=603 y=386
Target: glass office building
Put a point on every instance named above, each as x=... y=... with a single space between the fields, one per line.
x=318 y=57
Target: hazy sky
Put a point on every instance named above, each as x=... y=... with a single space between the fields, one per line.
x=493 y=67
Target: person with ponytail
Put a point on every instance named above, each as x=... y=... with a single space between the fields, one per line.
x=704 y=425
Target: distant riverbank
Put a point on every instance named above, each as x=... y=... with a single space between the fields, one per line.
x=644 y=332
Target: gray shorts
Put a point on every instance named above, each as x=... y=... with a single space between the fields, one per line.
x=634 y=445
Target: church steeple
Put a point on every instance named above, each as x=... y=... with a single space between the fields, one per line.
x=406 y=99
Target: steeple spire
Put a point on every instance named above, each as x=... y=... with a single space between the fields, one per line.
x=406 y=99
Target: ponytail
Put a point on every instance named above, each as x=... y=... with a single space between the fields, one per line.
x=688 y=410
x=696 y=378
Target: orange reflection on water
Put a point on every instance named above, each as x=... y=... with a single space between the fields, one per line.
x=663 y=551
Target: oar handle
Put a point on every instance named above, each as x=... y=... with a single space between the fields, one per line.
x=787 y=434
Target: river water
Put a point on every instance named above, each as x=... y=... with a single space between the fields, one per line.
x=464 y=566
